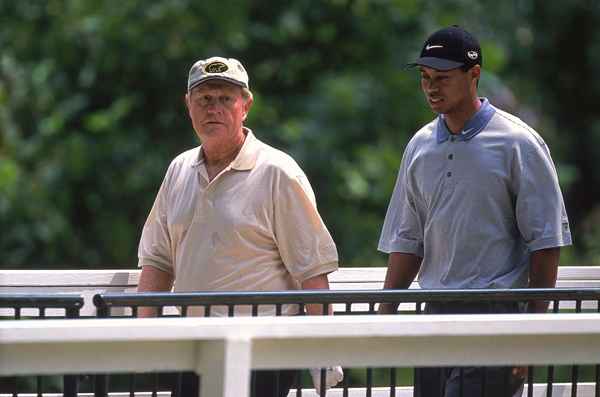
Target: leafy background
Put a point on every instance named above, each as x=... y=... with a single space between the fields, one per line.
x=91 y=108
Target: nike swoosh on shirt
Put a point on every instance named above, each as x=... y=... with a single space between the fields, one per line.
x=429 y=47
x=465 y=132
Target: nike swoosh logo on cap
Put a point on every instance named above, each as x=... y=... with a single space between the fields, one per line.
x=429 y=47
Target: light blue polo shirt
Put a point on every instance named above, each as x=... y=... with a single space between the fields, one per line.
x=474 y=205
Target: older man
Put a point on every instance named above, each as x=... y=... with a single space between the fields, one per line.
x=234 y=213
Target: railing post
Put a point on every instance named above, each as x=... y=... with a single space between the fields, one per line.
x=101 y=380
x=71 y=382
x=101 y=386
x=224 y=368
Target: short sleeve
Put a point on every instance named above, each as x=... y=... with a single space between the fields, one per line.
x=155 y=243
x=402 y=230
x=540 y=209
x=304 y=243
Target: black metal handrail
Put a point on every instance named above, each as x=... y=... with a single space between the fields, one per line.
x=104 y=302
x=70 y=302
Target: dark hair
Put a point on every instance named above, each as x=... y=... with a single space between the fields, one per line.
x=466 y=68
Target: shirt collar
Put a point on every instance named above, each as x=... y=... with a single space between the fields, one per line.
x=472 y=127
x=245 y=159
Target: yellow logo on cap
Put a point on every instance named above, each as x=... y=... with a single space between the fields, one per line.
x=215 y=67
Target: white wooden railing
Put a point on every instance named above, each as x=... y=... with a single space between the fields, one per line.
x=48 y=338
x=224 y=350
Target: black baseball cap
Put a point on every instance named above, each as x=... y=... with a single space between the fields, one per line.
x=450 y=48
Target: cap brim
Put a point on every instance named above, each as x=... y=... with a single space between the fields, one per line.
x=207 y=78
x=436 y=63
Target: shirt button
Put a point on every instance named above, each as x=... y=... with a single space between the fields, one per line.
x=450 y=156
x=451 y=139
x=449 y=174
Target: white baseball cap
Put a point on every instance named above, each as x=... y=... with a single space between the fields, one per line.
x=217 y=68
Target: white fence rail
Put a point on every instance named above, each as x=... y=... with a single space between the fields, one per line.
x=558 y=390
x=224 y=350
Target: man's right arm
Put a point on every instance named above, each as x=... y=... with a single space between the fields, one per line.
x=153 y=279
x=401 y=272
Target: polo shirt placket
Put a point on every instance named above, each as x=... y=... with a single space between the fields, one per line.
x=203 y=204
x=451 y=146
x=457 y=144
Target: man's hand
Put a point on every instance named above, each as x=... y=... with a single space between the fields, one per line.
x=387 y=308
x=520 y=372
x=333 y=376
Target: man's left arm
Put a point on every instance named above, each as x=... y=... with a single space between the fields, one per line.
x=543 y=268
x=542 y=274
x=305 y=245
x=335 y=374
x=317 y=282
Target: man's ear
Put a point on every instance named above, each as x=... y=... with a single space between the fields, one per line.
x=186 y=100
x=247 y=106
x=475 y=72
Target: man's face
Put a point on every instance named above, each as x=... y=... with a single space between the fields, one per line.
x=217 y=109
x=449 y=91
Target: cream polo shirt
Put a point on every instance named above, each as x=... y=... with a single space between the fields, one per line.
x=254 y=227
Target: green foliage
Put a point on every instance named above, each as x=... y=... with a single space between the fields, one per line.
x=91 y=108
